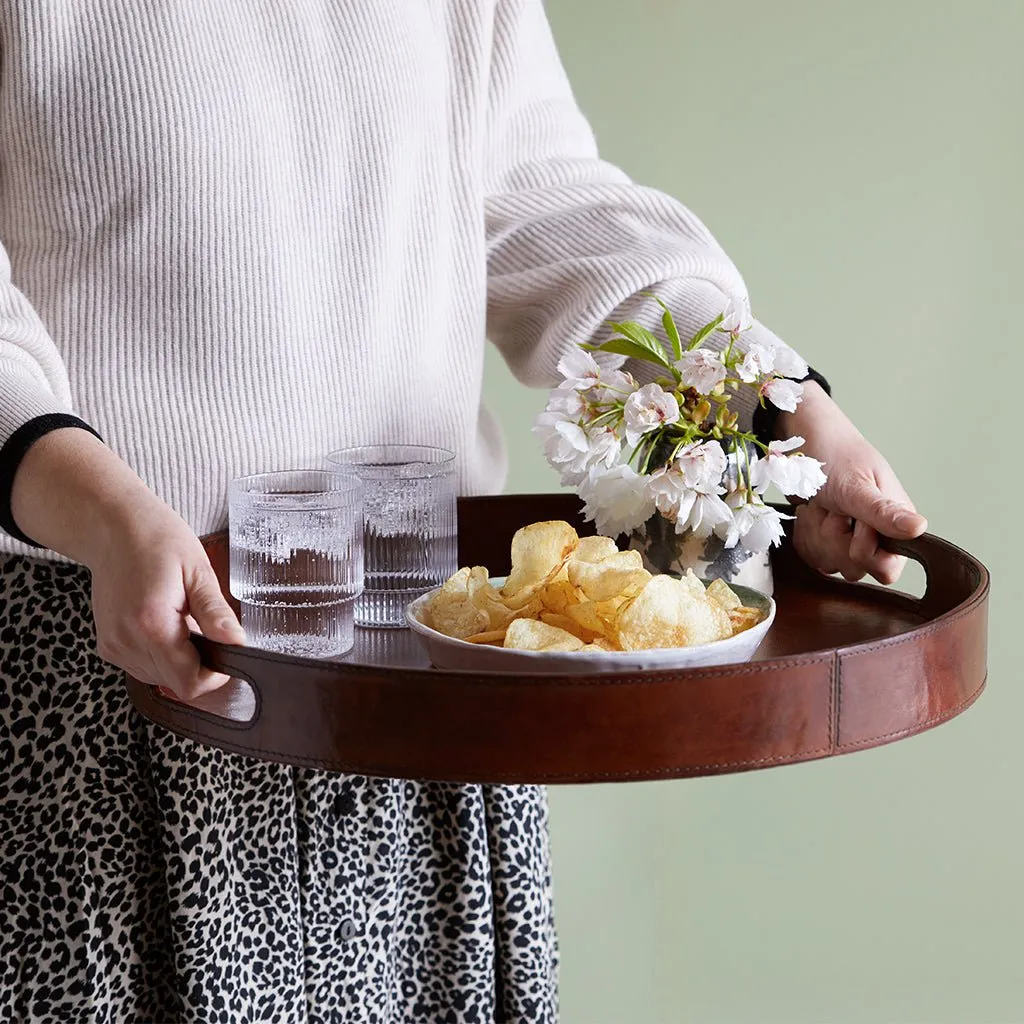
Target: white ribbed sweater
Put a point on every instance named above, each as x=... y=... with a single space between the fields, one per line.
x=239 y=234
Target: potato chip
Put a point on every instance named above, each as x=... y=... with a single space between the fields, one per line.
x=539 y=553
x=668 y=613
x=720 y=591
x=557 y=595
x=491 y=636
x=744 y=618
x=569 y=625
x=693 y=584
x=594 y=549
x=597 y=616
x=531 y=635
x=485 y=595
x=621 y=574
x=455 y=615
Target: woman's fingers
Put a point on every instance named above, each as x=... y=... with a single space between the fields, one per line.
x=836 y=537
x=866 y=551
x=874 y=497
x=807 y=538
x=823 y=540
x=833 y=543
x=209 y=608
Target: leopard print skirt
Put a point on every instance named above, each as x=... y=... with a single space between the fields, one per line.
x=147 y=878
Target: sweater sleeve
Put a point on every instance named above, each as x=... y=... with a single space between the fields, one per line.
x=572 y=241
x=35 y=396
x=33 y=378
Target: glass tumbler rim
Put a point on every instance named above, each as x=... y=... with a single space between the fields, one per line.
x=346 y=492
x=431 y=461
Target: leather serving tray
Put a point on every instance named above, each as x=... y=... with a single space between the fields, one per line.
x=846 y=666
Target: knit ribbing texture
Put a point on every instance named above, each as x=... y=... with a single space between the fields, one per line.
x=236 y=236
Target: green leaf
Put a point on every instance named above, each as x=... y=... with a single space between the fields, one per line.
x=704 y=332
x=626 y=347
x=669 y=324
x=641 y=336
x=673 y=334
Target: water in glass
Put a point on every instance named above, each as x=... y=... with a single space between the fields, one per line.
x=410 y=525
x=296 y=560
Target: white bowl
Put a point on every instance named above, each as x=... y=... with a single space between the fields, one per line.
x=446 y=652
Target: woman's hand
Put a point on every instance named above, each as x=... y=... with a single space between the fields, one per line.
x=839 y=530
x=149 y=571
x=143 y=591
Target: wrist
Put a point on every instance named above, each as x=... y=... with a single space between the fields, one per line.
x=819 y=420
x=72 y=494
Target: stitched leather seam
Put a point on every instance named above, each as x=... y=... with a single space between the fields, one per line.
x=934 y=720
x=331 y=669
x=399 y=772
x=835 y=700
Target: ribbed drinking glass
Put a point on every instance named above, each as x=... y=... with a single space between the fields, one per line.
x=297 y=559
x=410 y=525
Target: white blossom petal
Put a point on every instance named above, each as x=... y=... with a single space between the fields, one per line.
x=701 y=369
x=615 y=386
x=758 y=361
x=702 y=466
x=709 y=512
x=784 y=394
x=672 y=498
x=797 y=476
x=737 y=316
x=648 y=409
x=616 y=500
x=788 y=363
x=755 y=526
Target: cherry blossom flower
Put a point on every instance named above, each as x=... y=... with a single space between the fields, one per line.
x=647 y=409
x=668 y=490
x=701 y=369
x=783 y=393
x=579 y=369
x=758 y=361
x=797 y=476
x=574 y=451
x=737 y=316
x=788 y=363
x=616 y=500
x=605 y=448
x=703 y=464
x=565 y=445
x=597 y=416
x=688 y=491
x=566 y=401
x=753 y=525
x=708 y=513
x=615 y=386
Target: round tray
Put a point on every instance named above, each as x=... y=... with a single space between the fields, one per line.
x=845 y=666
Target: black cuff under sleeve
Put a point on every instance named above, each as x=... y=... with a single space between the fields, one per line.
x=14 y=451
x=765 y=416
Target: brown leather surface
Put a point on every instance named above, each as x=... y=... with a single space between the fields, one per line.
x=845 y=666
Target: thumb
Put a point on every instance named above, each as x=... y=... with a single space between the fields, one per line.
x=213 y=615
x=891 y=517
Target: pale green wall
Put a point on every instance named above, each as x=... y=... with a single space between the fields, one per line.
x=861 y=162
